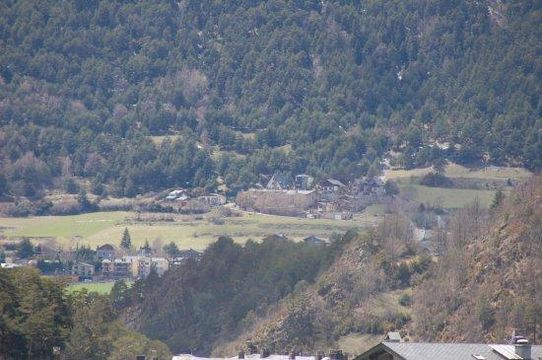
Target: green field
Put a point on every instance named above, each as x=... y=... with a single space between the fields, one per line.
x=99 y=287
x=187 y=232
x=452 y=198
x=458 y=171
x=445 y=197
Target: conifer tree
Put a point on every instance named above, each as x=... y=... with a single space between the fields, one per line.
x=126 y=242
x=497 y=199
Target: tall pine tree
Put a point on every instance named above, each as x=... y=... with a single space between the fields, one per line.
x=126 y=242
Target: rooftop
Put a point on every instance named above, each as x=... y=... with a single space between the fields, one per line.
x=447 y=351
x=249 y=357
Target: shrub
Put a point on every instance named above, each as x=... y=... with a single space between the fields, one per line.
x=70 y=186
x=405 y=300
x=391 y=187
x=436 y=180
x=20 y=209
x=66 y=207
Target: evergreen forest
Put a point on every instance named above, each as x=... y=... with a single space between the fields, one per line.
x=139 y=96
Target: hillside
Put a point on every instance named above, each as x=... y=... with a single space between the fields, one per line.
x=129 y=97
x=195 y=304
x=486 y=283
x=365 y=291
x=490 y=282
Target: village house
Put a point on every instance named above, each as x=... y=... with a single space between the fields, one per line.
x=361 y=193
x=184 y=256
x=83 y=270
x=116 y=269
x=146 y=264
x=330 y=185
x=144 y=251
x=393 y=348
x=106 y=251
x=303 y=182
x=313 y=240
x=212 y=200
x=368 y=186
x=178 y=194
x=279 y=181
x=133 y=260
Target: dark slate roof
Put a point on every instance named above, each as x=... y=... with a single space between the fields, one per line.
x=279 y=180
x=106 y=247
x=314 y=240
x=335 y=182
x=446 y=351
x=190 y=253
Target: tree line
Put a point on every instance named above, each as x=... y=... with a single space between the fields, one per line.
x=40 y=319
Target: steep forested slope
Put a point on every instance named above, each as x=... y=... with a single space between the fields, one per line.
x=84 y=83
x=194 y=304
x=365 y=291
x=490 y=281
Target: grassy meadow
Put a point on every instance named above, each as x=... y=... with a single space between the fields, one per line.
x=446 y=197
x=458 y=171
x=186 y=231
x=99 y=287
x=452 y=198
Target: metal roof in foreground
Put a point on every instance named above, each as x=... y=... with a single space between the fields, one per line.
x=448 y=351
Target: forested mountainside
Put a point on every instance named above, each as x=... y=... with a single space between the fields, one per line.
x=485 y=282
x=197 y=303
x=87 y=89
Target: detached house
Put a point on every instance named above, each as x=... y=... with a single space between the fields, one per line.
x=330 y=185
x=279 y=181
x=106 y=251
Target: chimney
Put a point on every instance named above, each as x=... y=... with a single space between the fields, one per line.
x=251 y=348
x=336 y=355
x=241 y=354
x=523 y=349
x=264 y=353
